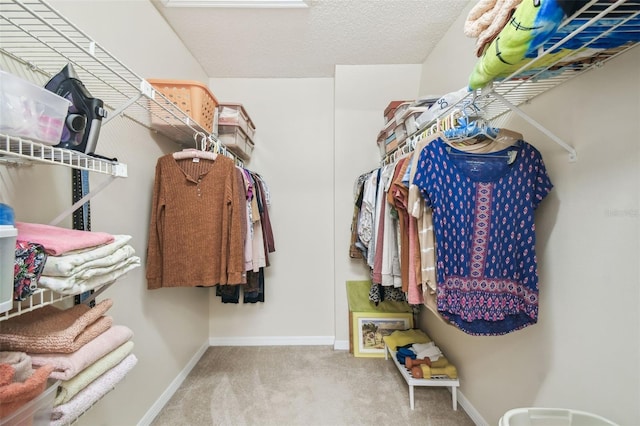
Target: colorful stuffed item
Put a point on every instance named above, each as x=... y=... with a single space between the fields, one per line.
x=532 y=23
x=424 y=371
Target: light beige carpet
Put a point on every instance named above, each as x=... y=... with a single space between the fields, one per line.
x=302 y=385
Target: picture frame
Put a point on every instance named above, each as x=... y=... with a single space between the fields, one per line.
x=369 y=328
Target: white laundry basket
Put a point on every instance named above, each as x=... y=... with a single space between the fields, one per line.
x=552 y=417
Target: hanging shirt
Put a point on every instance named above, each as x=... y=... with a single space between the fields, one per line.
x=197 y=226
x=483 y=218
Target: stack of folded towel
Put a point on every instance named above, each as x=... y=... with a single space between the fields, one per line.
x=78 y=346
x=79 y=261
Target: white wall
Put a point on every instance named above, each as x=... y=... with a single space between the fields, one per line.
x=583 y=353
x=294 y=154
x=158 y=318
x=311 y=163
x=362 y=94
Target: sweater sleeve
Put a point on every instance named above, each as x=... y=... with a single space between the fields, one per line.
x=156 y=222
x=236 y=273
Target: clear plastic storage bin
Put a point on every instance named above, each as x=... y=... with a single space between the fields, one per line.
x=36 y=412
x=552 y=417
x=229 y=113
x=30 y=111
x=236 y=140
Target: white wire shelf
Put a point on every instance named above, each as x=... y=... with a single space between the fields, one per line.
x=35 y=35
x=584 y=29
x=532 y=80
x=14 y=147
x=42 y=297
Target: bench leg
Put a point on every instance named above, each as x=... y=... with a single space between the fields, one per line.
x=411 y=396
x=454 y=397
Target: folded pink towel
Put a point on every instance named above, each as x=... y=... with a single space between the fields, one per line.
x=15 y=395
x=70 y=388
x=66 y=413
x=67 y=366
x=53 y=330
x=57 y=241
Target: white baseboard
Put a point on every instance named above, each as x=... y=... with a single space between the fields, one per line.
x=173 y=387
x=273 y=341
x=341 y=345
x=471 y=411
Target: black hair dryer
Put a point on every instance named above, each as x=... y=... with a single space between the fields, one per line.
x=82 y=125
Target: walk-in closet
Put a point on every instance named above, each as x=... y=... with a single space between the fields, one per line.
x=199 y=240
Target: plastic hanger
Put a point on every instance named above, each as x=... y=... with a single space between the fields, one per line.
x=510 y=155
x=196 y=153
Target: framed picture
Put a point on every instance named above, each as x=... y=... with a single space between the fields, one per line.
x=370 y=327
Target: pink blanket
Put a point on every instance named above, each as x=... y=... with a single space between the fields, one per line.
x=57 y=241
x=67 y=366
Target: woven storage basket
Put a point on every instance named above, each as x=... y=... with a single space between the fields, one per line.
x=192 y=97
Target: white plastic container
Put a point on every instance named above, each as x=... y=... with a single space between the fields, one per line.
x=552 y=417
x=8 y=236
x=30 y=111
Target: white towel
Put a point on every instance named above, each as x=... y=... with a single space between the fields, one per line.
x=69 y=263
x=75 y=286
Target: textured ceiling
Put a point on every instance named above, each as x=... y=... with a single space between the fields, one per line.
x=309 y=42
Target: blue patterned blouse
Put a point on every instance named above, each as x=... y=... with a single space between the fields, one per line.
x=483 y=208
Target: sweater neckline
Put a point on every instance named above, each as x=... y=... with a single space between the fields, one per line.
x=187 y=175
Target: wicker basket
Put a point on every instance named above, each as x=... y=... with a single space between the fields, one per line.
x=192 y=97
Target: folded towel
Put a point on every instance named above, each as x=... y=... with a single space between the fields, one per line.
x=405 y=337
x=53 y=330
x=69 y=263
x=64 y=286
x=69 y=388
x=21 y=363
x=67 y=366
x=66 y=413
x=432 y=352
x=57 y=241
x=15 y=395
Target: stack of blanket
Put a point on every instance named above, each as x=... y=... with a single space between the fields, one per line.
x=79 y=347
x=79 y=261
x=89 y=373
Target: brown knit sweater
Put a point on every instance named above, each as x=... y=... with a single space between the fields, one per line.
x=198 y=224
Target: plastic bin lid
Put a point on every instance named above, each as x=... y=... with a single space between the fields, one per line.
x=533 y=416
